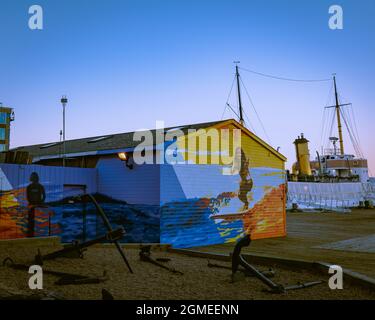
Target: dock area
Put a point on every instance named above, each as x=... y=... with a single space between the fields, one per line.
x=345 y=239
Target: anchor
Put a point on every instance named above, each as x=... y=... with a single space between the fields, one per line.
x=238 y=259
x=77 y=248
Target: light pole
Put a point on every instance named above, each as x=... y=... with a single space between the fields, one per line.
x=64 y=101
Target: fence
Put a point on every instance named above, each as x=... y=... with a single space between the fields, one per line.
x=330 y=196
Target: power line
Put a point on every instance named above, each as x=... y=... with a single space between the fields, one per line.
x=283 y=78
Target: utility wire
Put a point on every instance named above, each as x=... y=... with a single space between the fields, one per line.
x=283 y=78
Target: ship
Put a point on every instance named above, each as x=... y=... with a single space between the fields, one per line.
x=334 y=179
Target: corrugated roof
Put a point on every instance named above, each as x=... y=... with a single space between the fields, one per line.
x=98 y=143
x=121 y=141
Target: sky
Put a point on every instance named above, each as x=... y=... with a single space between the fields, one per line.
x=125 y=64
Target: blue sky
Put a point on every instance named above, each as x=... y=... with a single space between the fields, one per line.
x=125 y=64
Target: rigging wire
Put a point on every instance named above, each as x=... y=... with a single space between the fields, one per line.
x=283 y=78
x=227 y=105
x=350 y=117
x=349 y=121
x=355 y=126
x=324 y=121
x=234 y=111
x=356 y=138
x=256 y=112
x=230 y=93
x=357 y=151
x=332 y=123
x=249 y=122
x=328 y=128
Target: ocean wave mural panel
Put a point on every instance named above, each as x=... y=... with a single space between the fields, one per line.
x=60 y=214
x=215 y=208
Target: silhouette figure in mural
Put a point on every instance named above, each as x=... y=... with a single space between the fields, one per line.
x=36 y=196
x=246 y=183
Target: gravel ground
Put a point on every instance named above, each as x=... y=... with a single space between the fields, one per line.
x=152 y=282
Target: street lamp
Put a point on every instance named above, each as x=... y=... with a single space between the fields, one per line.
x=64 y=101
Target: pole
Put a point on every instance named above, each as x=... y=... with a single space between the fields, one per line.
x=338 y=118
x=239 y=95
x=64 y=101
x=64 y=135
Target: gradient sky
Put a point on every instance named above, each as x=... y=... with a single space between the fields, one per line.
x=125 y=64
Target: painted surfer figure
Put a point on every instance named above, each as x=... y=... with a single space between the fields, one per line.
x=246 y=183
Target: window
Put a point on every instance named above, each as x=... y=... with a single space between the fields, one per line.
x=3 y=117
x=2 y=133
x=2 y=147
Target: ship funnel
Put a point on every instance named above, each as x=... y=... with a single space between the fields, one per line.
x=303 y=155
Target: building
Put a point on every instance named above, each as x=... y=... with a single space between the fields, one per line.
x=6 y=116
x=198 y=185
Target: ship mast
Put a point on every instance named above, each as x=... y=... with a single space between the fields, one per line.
x=239 y=95
x=338 y=118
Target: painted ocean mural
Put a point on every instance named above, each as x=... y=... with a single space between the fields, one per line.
x=141 y=222
x=194 y=220
x=76 y=221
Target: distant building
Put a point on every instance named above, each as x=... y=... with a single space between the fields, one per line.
x=5 y=120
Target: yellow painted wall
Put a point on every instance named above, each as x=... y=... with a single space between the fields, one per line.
x=259 y=155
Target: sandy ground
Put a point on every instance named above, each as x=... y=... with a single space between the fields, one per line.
x=152 y=282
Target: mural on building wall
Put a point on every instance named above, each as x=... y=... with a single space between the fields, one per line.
x=204 y=220
x=183 y=204
x=205 y=204
x=23 y=212
x=44 y=206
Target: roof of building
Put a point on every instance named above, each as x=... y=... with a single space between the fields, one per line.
x=118 y=141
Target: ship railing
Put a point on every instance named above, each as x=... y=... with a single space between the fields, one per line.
x=332 y=152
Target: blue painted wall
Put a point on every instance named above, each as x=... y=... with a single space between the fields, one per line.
x=141 y=185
